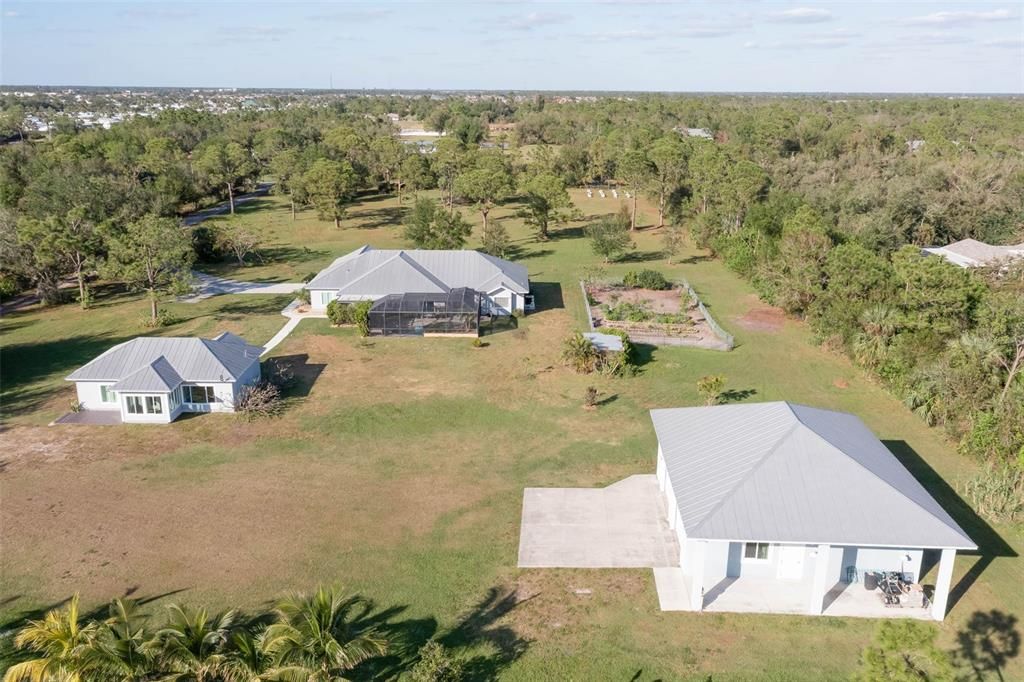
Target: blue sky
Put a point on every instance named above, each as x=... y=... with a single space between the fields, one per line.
x=620 y=45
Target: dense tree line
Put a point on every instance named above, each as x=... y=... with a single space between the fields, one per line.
x=821 y=204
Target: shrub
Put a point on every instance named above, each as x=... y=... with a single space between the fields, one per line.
x=303 y=295
x=76 y=406
x=309 y=277
x=646 y=279
x=339 y=312
x=164 y=318
x=361 y=316
x=590 y=397
x=478 y=343
x=437 y=664
x=262 y=399
x=997 y=492
x=580 y=354
x=622 y=363
x=710 y=388
x=205 y=244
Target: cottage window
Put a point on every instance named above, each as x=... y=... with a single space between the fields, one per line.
x=755 y=551
x=199 y=394
x=154 y=404
x=106 y=395
x=134 y=403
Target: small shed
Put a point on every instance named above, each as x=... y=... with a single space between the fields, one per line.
x=606 y=343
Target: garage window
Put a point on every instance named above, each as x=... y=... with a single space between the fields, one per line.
x=755 y=551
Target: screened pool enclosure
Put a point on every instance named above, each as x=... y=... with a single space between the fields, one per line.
x=456 y=312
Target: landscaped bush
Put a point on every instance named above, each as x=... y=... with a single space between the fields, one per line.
x=646 y=279
x=339 y=312
x=304 y=295
x=623 y=363
x=361 y=316
x=580 y=354
x=164 y=318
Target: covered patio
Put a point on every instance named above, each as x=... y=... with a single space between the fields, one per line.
x=753 y=595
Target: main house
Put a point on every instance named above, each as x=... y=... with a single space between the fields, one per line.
x=793 y=505
x=369 y=274
x=154 y=379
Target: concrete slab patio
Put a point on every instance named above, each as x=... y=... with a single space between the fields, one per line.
x=91 y=417
x=621 y=526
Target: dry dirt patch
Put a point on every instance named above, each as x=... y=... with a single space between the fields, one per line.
x=761 y=318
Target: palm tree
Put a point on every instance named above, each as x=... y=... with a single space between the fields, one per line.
x=192 y=644
x=313 y=639
x=247 y=660
x=123 y=649
x=871 y=345
x=61 y=643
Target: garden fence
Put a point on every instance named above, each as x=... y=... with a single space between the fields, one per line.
x=728 y=342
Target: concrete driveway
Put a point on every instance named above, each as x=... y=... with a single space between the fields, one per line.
x=621 y=526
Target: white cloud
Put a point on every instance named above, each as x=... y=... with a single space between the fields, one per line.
x=840 y=37
x=11 y=13
x=934 y=38
x=1017 y=42
x=801 y=15
x=965 y=17
x=533 y=20
x=354 y=14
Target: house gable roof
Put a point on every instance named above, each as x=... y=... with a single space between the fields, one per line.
x=223 y=359
x=779 y=472
x=158 y=377
x=378 y=272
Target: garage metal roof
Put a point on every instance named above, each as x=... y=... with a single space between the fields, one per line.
x=156 y=361
x=780 y=472
x=378 y=272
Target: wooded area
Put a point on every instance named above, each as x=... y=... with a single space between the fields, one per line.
x=822 y=204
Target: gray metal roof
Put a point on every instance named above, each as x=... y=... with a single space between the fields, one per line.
x=158 y=376
x=974 y=252
x=779 y=472
x=158 y=361
x=379 y=272
x=606 y=342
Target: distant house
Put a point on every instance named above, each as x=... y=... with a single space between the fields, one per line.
x=369 y=274
x=783 y=507
x=702 y=133
x=393 y=117
x=154 y=379
x=971 y=253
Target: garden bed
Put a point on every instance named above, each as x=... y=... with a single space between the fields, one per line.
x=657 y=317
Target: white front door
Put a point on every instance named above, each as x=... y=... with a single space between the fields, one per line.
x=791 y=562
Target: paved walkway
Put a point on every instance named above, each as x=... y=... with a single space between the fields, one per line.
x=621 y=526
x=211 y=285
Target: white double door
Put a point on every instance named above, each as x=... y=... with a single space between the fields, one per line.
x=790 y=564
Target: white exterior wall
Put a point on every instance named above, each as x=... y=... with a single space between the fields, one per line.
x=164 y=417
x=90 y=398
x=505 y=302
x=249 y=376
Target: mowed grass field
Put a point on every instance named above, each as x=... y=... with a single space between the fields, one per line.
x=398 y=467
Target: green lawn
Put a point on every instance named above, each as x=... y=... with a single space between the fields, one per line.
x=398 y=471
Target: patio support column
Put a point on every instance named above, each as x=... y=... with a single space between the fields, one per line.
x=942 y=583
x=697 y=549
x=819 y=583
